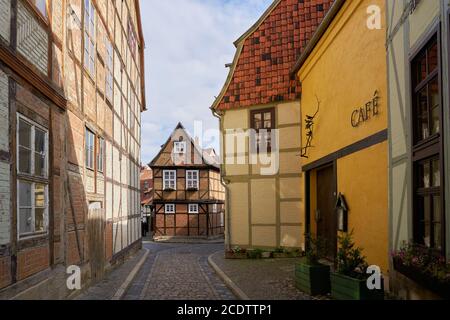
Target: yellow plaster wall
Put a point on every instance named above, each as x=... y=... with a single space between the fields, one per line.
x=291 y=237
x=363 y=179
x=290 y=188
x=264 y=236
x=264 y=202
x=291 y=212
x=345 y=86
x=239 y=225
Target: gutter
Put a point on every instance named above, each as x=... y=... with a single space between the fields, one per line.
x=321 y=29
x=225 y=184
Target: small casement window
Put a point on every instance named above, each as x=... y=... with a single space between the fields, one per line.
x=109 y=70
x=428 y=222
x=100 y=155
x=192 y=178
x=169 y=209
x=169 y=179
x=90 y=147
x=179 y=147
x=89 y=36
x=32 y=147
x=263 y=122
x=32 y=208
x=193 y=208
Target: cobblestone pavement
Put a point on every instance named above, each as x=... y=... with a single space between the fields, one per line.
x=266 y=279
x=178 y=272
x=105 y=289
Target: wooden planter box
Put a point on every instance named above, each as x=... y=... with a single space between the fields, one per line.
x=428 y=282
x=312 y=279
x=235 y=255
x=346 y=288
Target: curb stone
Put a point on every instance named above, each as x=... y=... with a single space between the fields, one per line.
x=126 y=284
x=228 y=282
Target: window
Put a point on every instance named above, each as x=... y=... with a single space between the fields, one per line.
x=192 y=177
x=169 y=208
x=109 y=71
x=41 y=5
x=100 y=154
x=179 y=147
x=146 y=185
x=132 y=43
x=428 y=220
x=89 y=36
x=90 y=141
x=263 y=121
x=32 y=148
x=193 y=208
x=32 y=185
x=169 y=179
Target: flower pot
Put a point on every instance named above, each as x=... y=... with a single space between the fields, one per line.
x=347 y=288
x=423 y=279
x=235 y=255
x=312 y=279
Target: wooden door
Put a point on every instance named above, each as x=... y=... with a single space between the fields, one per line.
x=325 y=215
x=96 y=241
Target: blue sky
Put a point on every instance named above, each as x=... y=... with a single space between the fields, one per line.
x=188 y=43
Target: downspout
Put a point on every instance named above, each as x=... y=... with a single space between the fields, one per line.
x=225 y=184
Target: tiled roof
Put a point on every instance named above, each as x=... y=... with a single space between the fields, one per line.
x=260 y=73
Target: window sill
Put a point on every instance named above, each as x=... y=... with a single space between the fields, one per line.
x=169 y=190
x=191 y=189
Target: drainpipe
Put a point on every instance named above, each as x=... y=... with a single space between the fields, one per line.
x=225 y=184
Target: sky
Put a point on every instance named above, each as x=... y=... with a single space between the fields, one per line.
x=188 y=43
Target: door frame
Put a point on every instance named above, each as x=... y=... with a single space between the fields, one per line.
x=308 y=213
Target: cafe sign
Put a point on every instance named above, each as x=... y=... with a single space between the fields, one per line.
x=370 y=110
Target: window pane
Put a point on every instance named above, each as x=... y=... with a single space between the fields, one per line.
x=39 y=220
x=25 y=221
x=257 y=121
x=39 y=195
x=424 y=175
x=24 y=134
x=42 y=6
x=434 y=105
x=24 y=160
x=422 y=115
x=24 y=194
x=421 y=68
x=432 y=57
x=39 y=165
x=437 y=222
x=436 y=173
x=39 y=141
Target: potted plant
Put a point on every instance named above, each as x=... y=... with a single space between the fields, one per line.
x=350 y=280
x=280 y=253
x=255 y=253
x=236 y=253
x=425 y=266
x=311 y=276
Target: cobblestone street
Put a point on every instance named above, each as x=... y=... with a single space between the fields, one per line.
x=178 y=272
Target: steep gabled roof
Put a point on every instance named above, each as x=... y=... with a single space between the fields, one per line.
x=207 y=157
x=265 y=54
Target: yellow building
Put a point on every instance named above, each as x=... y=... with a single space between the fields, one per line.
x=344 y=132
x=264 y=203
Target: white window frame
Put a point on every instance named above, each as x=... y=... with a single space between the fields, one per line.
x=168 y=181
x=33 y=125
x=192 y=183
x=32 y=178
x=179 y=147
x=193 y=208
x=169 y=208
x=89 y=35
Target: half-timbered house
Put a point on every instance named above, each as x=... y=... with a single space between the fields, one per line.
x=188 y=194
x=71 y=97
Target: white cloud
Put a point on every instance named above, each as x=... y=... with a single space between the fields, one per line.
x=188 y=42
